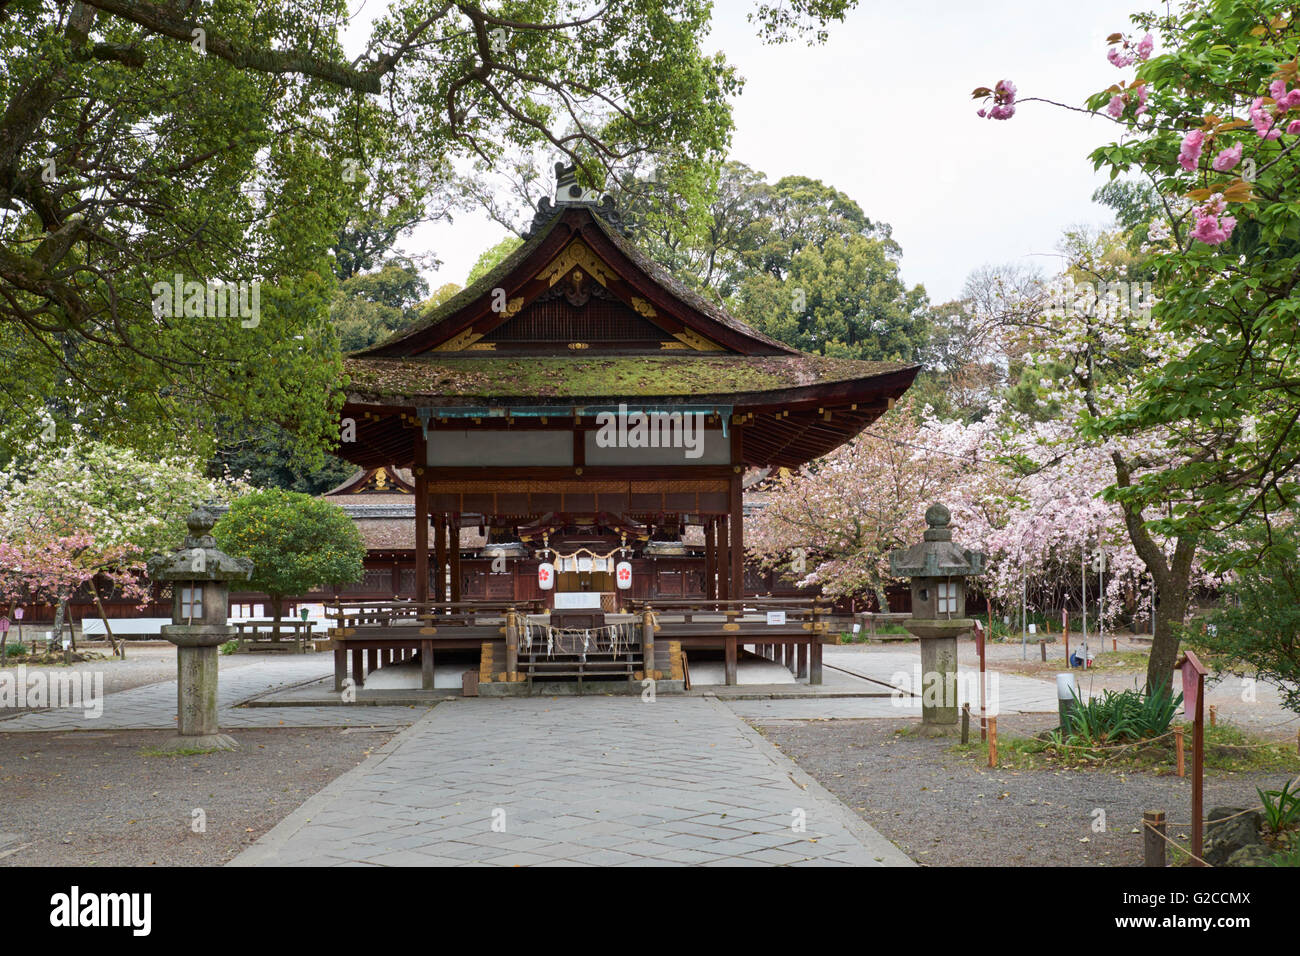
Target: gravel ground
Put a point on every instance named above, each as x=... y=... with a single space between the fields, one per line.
x=80 y=799
x=946 y=809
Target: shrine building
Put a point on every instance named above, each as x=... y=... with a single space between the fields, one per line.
x=578 y=407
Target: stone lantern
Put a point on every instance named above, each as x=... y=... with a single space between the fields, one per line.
x=199 y=574
x=938 y=569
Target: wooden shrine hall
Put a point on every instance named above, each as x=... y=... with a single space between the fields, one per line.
x=583 y=407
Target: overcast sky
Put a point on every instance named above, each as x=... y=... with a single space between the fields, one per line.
x=883 y=112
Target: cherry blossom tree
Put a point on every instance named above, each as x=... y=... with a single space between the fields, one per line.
x=1203 y=430
x=80 y=512
x=834 y=523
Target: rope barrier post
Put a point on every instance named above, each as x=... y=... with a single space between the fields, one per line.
x=512 y=644
x=993 y=741
x=648 y=642
x=965 y=724
x=1178 y=748
x=1042 y=649
x=1153 y=838
x=1214 y=713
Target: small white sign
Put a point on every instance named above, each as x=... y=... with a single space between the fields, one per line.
x=1033 y=628
x=857 y=627
x=776 y=617
x=67 y=642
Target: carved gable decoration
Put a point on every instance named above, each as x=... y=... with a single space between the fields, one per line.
x=576 y=255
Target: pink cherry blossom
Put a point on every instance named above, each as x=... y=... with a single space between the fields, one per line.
x=1118 y=59
x=1145 y=46
x=1004 y=101
x=1285 y=100
x=1263 y=120
x=1227 y=158
x=1190 y=153
x=1293 y=128
x=1212 y=230
x=1142 y=92
x=1116 y=106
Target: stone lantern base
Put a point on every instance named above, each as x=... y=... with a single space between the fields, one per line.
x=196 y=686
x=939 y=707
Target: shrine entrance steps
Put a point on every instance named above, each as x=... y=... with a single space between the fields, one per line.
x=576 y=665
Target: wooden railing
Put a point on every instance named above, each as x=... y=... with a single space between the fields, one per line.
x=351 y=614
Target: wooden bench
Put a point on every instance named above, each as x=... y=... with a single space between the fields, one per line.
x=260 y=635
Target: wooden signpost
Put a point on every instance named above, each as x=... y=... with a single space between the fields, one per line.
x=1193 y=673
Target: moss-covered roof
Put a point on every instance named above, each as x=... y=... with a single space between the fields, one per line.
x=500 y=380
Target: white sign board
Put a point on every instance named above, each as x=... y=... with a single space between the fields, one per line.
x=776 y=617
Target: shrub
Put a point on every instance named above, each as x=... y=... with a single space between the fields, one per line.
x=1117 y=716
x=1281 y=807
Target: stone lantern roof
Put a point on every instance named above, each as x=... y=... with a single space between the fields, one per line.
x=186 y=564
x=936 y=556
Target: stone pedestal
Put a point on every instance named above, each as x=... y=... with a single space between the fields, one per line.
x=940 y=710
x=196 y=686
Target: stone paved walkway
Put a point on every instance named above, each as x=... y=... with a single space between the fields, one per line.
x=575 y=782
x=154 y=705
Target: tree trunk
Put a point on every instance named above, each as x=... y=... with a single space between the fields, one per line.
x=59 y=612
x=1171 y=609
x=108 y=631
x=882 y=600
x=1173 y=577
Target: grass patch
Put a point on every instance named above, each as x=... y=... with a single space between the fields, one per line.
x=187 y=752
x=1228 y=749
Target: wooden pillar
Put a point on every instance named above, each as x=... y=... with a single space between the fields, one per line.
x=730 y=664
x=710 y=560
x=440 y=557
x=340 y=664
x=455 y=557
x=512 y=644
x=421 y=535
x=736 y=546
x=426 y=664
x=815 y=661
x=648 y=642
x=801 y=663
x=358 y=667
x=720 y=558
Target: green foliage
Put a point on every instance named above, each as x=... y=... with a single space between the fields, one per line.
x=1233 y=304
x=229 y=647
x=371 y=306
x=14 y=650
x=131 y=153
x=1256 y=633
x=491 y=258
x=1281 y=807
x=844 y=298
x=1116 y=717
x=296 y=542
x=782 y=22
x=260 y=454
